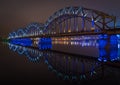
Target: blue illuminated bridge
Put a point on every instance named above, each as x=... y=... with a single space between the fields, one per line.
x=76 y=44
x=70 y=21
x=66 y=24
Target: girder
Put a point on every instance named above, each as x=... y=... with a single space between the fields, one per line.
x=102 y=20
x=69 y=20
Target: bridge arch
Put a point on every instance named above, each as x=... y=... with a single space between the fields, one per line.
x=35 y=28
x=33 y=55
x=10 y=35
x=21 y=32
x=14 y=34
x=64 y=66
x=76 y=19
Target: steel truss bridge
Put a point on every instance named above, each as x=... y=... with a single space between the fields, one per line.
x=70 y=21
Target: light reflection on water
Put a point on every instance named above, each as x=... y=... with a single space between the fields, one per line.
x=103 y=47
x=79 y=40
x=107 y=46
x=67 y=67
x=74 y=67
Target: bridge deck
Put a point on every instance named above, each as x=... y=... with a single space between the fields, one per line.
x=109 y=32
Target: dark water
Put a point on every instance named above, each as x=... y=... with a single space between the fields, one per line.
x=28 y=65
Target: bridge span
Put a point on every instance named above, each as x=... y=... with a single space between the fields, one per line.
x=70 y=21
x=108 y=32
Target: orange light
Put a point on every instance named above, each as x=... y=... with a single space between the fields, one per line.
x=69 y=30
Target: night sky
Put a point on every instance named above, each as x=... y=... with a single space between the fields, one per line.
x=16 y=14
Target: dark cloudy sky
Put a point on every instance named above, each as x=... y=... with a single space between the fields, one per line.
x=15 y=14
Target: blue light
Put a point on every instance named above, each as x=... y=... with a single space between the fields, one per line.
x=102 y=50
x=22 y=42
x=108 y=48
x=113 y=40
x=21 y=51
x=83 y=23
x=93 y=23
x=103 y=36
x=113 y=47
x=45 y=43
x=113 y=53
x=102 y=43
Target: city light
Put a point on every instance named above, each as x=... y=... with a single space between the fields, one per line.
x=78 y=40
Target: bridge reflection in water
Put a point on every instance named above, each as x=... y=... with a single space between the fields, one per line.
x=75 y=68
x=106 y=47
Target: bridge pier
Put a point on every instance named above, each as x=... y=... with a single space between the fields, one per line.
x=108 y=48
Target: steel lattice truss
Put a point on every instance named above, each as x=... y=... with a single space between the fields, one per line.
x=69 y=19
x=99 y=19
x=31 y=29
x=32 y=55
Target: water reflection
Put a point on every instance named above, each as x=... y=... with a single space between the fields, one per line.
x=75 y=68
x=66 y=67
x=32 y=55
x=71 y=67
x=84 y=41
x=22 y=42
x=108 y=48
x=108 y=45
